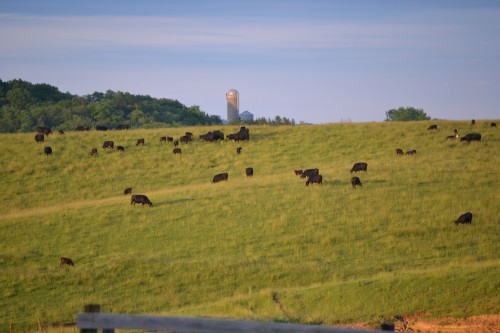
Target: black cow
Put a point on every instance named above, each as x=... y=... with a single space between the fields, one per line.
x=317 y=178
x=355 y=181
x=39 y=137
x=108 y=144
x=298 y=172
x=411 y=152
x=120 y=148
x=471 y=137
x=220 y=177
x=47 y=151
x=455 y=136
x=360 y=166
x=44 y=130
x=493 y=125
x=399 y=151
x=170 y=139
x=309 y=173
x=122 y=127
x=61 y=132
x=128 y=190
x=249 y=172
x=93 y=152
x=176 y=143
x=163 y=139
x=177 y=151
x=464 y=218
x=186 y=138
x=432 y=127
x=101 y=128
x=66 y=261
x=473 y=122
x=140 y=199
x=238 y=150
x=243 y=134
x=140 y=142
x=212 y=136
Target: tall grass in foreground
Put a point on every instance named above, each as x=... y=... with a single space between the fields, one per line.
x=328 y=253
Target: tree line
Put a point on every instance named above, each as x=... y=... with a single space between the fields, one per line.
x=24 y=106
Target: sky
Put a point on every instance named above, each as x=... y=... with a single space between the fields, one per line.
x=314 y=61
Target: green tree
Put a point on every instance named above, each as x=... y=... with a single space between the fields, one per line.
x=406 y=114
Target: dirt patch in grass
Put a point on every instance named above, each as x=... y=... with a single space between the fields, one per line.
x=416 y=323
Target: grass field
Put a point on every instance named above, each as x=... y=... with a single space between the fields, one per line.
x=265 y=247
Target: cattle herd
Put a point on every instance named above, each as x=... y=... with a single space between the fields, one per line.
x=313 y=176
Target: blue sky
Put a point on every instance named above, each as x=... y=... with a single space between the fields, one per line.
x=316 y=61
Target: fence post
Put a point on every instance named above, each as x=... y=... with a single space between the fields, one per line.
x=94 y=308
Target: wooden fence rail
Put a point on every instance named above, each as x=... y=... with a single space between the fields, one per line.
x=90 y=322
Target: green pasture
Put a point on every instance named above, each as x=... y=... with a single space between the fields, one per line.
x=264 y=247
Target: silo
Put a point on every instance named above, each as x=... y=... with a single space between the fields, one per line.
x=233 y=105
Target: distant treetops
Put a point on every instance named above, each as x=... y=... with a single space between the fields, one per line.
x=408 y=113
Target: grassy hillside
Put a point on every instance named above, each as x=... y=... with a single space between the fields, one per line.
x=265 y=247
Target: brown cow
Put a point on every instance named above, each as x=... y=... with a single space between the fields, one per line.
x=66 y=261
x=432 y=127
x=140 y=142
x=399 y=151
x=177 y=151
x=93 y=152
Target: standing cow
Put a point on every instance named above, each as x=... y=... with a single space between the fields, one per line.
x=316 y=178
x=355 y=181
x=39 y=137
x=47 y=151
x=249 y=172
x=399 y=151
x=108 y=144
x=432 y=127
x=220 y=177
x=360 y=166
x=140 y=142
x=140 y=199
x=66 y=261
x=93 y=152
x=177 y=151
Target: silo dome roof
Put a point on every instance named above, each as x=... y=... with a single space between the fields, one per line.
x=232 y=92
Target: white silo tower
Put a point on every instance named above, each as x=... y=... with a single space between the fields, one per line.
x=233 y=106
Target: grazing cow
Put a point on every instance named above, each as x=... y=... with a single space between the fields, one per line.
x=61 y=132
x=108 y=144
x=249 y=172
x=186 y=138
x=473 y=122
x=360 y=166
x=47 y=151
x=243 y=134
x=120 y=148
x=316 y=178
x=432 y=127
x=464 y=218
x=93 y=152
x=309 y=173
x=128 y=190
x=399 y=151
x=298 y=172
x=101 y=128
x=122 y=127
x=493 y=125
x=176 y=143
x=140 y=199
x=66 y=261
x=82 y=128
x=170 y=139
x=140 y=142
x=411 y=152
x=471 y=137
x=177 y=151
x=44 y=130
x=356 y=181
x=163 y=139
x=39 y=137
x=220 y=177
x=238 y=150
